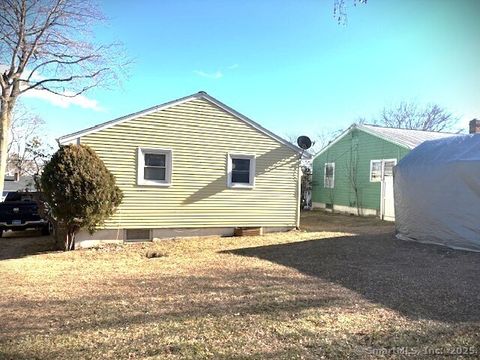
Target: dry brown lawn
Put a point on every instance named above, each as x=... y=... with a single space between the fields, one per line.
x=342 y=288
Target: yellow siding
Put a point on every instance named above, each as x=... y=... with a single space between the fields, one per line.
x=200 y=135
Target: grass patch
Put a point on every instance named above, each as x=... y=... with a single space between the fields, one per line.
x=319 y=293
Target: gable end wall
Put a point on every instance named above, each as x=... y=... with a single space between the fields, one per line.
x=356 y=147
x=200 y=136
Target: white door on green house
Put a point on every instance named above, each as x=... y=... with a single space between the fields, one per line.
x=387 y=203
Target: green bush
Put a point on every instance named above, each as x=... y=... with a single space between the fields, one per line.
x=79 y=189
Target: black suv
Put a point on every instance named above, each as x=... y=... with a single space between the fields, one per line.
x=19 y=211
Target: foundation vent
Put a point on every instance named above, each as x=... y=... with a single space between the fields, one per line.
x=138 y=235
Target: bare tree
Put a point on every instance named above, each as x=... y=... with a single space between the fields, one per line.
x=340 y=9
x=31 y=158
x=23 y=126
x=48 y=45
x=26 y=144
x=409 y=115
x=325 y=137
x=351 y=172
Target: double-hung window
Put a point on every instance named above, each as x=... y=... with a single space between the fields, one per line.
x=241 y=171
x=381 y=168
x=376 y=170
x=154 y=167
x=329 y=175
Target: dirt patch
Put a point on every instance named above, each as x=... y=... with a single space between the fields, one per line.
x=321 y=220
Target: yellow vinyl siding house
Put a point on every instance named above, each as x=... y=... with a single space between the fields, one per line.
x=193 y=167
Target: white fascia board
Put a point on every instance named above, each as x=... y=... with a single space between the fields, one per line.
x=252 y=123
x=364 y=129
x=200 y=95
x=68 y=138
x=337 y=139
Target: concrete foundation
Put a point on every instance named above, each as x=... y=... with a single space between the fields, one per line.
x=346 y=209
x=117 y=236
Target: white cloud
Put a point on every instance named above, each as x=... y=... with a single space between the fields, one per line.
x=215 y=75
x=58 y=100
x=64 y=101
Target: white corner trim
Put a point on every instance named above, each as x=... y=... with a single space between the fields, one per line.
x=236 y=155
x=299 y=196
x=72 y=141
x=141 y=181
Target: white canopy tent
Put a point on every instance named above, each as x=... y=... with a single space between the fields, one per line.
x=437 y=193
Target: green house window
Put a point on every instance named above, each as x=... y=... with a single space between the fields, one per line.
x=376 y=170
x=379 y=169
x=329 y=175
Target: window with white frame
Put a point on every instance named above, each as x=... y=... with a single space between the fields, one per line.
x=375 y=170
x=241 y=171
x=329 y=175
x=154 y=167
x=388 y=167
x=381 y=168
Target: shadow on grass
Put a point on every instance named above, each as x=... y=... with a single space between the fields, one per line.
x=167 y=299
x=419 y=281
x=18 y=244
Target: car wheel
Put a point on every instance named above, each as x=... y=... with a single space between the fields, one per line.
x=46 y=230
x=51 y=228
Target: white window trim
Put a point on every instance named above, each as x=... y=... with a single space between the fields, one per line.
x=382 y=168
x=141 y=166
x=383 y=165
x=252 y=158
x=325 y=175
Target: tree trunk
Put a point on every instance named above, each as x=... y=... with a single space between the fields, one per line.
x=70 y=240
x=4 y=128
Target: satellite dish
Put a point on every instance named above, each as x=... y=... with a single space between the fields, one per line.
x=304 y=142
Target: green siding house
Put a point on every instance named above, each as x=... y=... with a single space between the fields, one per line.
x=354 y=173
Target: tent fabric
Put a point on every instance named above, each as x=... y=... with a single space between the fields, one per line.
x=437 y=193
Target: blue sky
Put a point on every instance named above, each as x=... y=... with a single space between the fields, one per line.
x=286 y=64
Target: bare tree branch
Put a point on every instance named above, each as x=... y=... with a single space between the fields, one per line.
x=48 y=45
x=409 y=115
x=340 y=9
x=51 y=41
x=26 y=150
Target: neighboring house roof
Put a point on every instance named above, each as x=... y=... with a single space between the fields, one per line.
x=24 y=183
x=200 y=95
x=403 y=137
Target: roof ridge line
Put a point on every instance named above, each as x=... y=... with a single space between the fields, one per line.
x=397 y=128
